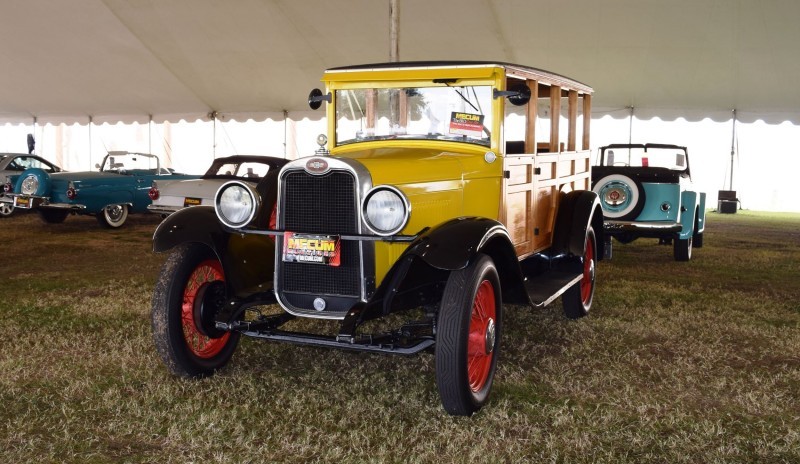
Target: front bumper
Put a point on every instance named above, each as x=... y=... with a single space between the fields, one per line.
x=641 y=229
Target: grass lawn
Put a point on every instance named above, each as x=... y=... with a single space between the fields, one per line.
x=694 y=362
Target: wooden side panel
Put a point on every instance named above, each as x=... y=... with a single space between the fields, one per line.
x=517 y=209
x=587 y=120
x=518 y=204
x=555 y=116
x=530 y=128
x=572 y=112
x=544 y=203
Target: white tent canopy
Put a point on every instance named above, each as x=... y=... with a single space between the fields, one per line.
x=125 y=60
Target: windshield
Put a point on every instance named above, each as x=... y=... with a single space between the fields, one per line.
x=670 y=158
x=118 y=162
x=447 y=112
x=248 y=169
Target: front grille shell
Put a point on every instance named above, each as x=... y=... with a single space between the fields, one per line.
x=324 y=203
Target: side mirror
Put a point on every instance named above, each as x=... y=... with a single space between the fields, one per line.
x=680 y=160
x=610 y=158
x=31 y=144
x=518 y=96
x=315 y=98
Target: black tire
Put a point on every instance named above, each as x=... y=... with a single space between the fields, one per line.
x=697 y=237
x=464 y=376
x=185 y=350
x=113 y=216
x=6 y=209
x=697 y=240
x=631 y=203
x=683 y=249
x=53 y=216
x=578 y=299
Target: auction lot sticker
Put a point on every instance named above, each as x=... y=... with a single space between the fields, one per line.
x=466 y=124
x=313 y=249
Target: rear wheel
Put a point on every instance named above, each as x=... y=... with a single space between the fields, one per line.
x=53 y=216
x=468 y=337
x=578 y=299
x=188 y=289
x=113 y=216
x=6 y=209
x=683 y=249
x=697 y=240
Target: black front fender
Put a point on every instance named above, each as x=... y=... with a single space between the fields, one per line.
x=197 y=224
x=248 y=260
x=453 y=245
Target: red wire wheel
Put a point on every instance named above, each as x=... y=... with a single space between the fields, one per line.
x=587 y=282
x=577 y=300
x=181 y=338
x=468 y=332
x=480 y=349
x=199 y=344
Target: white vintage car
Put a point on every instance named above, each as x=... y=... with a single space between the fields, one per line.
x=171 y=196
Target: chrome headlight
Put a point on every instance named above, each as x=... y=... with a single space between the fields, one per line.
x=386 y=210
x=30 y=184
x=236 y=204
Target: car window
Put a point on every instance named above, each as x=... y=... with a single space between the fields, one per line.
x=123 y=162
x=252 y=170
x=672 y=158
x=21 y=163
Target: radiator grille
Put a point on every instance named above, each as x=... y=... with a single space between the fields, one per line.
x=322 y=205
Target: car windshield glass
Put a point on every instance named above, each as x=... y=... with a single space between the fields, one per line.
x=446 y=112
x=117 y=162
x=670 y=158
x=246 y=170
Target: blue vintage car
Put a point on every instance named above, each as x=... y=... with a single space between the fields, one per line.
x=120 y=187
x=646 y=191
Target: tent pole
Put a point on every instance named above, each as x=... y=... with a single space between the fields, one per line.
x=90 y=143
x=630 y=126
x=394 y=31
x=733 y=143
x=285 y=132
x=150 y=135
x=213 y=116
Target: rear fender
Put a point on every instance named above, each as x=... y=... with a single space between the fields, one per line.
x=688 y=210
x=700 y=221
x=577 y=210
x=248 y=260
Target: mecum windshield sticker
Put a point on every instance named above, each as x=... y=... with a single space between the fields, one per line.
x=466 y=124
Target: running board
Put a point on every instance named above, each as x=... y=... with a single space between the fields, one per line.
x=545 y=288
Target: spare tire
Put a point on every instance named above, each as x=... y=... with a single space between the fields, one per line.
x=33 y=181
x=620 y=196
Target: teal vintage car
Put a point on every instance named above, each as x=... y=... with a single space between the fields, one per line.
x=646 y=191
x=11 y=166
x=120 y=187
